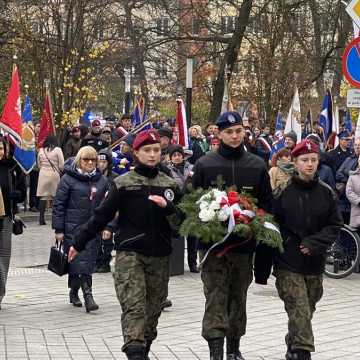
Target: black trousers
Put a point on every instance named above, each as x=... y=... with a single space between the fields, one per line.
x=192 y=247
x=104 y=253
x=33 y=199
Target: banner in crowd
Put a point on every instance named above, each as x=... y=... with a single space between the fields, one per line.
x=293 y=122
x=46 y=121
x=138 y=116
x=181 y=123
x=10 y=120
x=348 y=121
x=279 y=125
x=336 y=125
x=25 y=155
x=308 y=125
x=326 y=115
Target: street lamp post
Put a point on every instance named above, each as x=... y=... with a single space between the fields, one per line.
x=127 y=75
x=189 y=78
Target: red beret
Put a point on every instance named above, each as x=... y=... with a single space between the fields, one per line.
x=305 y=147
x=96 y=122
x=75 y=129
x=146 y=137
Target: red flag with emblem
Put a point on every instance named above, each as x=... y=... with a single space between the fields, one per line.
x=46 y=121
x=10 y=121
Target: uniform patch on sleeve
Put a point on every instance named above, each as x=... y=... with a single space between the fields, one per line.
x=169 y=195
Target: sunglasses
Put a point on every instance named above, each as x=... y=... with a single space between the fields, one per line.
x=89 y=159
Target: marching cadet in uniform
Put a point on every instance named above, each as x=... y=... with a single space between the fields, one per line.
x=309 y=220
x=227 y=279
x=144 y=199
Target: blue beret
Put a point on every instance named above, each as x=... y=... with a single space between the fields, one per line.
x=228 y=119
x=344 y=134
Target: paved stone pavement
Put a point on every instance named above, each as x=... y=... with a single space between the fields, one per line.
x=36 y=321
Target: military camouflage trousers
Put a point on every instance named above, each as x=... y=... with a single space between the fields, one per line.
x=226 y=281
x=300 y=293
x=141 y=285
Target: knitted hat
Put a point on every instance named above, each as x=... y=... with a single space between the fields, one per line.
x=292 y=135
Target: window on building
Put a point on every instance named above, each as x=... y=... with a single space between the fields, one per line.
x=227 y=24
x=195 y=26
x=162 y=26
x=99 y=31
x=161 y=69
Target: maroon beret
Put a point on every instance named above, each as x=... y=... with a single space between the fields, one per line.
x=96 y=122
x=146 y=137
x=305 y=147
x=75 y=129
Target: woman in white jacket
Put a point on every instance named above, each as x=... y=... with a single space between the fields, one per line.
x=353 y=195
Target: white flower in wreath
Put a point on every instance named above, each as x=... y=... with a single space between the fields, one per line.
x=203 y=205
x=223 y=215
x=205 y=198
x=214 y=206
x=207 y=215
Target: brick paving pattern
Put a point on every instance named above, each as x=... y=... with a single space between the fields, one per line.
x=36 y=321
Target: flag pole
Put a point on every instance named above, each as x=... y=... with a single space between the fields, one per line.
x=47 y=94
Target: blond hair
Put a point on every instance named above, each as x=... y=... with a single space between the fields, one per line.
x=86 y=151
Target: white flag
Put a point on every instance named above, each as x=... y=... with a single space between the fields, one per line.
x=357 y=131
x=293 y=121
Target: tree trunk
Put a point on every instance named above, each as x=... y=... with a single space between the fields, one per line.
x=230 y=58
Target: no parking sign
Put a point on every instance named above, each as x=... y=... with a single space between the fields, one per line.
x=351 y=63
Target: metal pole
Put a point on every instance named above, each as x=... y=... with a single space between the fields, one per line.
x=189 y=76
x=127 y=90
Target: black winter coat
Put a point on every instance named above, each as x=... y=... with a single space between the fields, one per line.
x=235 y=167
x=338 y=156
x=75 y=201
x=12 y=184
x=308 y=215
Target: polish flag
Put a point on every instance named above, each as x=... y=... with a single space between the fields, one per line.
x=10 y=121
x=183 y=136
x=46 y=121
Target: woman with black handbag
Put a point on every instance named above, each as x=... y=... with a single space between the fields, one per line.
x=11 y=195
x=80 y=191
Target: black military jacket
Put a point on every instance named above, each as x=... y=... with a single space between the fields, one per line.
x=142 y=226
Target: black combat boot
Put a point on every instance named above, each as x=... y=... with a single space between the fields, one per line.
x=216 y=347
x=233 y=349
x=74 y=283
x=90 y=303
x=147 y=349
x=135 y=352
x=298 y=355
x=42 y=208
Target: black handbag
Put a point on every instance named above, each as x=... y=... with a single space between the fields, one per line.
x=58 y=260
x=18 y=225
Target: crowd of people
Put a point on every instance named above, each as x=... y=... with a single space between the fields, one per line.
x=119 y=197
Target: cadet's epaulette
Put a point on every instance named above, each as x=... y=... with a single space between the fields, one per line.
x=280 y=189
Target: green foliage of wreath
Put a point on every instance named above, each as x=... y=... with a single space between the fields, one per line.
x=213 y=231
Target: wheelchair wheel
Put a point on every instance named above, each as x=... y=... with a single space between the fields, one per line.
x=343 y=256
